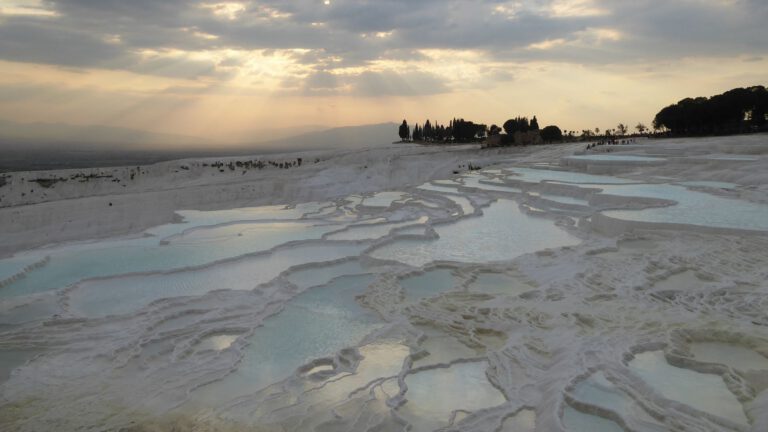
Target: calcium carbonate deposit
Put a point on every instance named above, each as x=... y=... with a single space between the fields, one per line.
x=621 y=292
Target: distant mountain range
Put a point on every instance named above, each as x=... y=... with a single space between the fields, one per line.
x=41 y=135
x=35 y=146
x=350 y=137
x=21 y=136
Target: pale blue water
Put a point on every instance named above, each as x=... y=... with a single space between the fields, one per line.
x=615 y=158
x=127 y=294
x=597 y=390
x=566 y=200
x=12 y=266
x=321 y=275
x=561 y=199
x=705 y=392
x=711 y=184
x=474 y=180
x=434 y=188
x=693 y=207
x=503 y=232
x=536 y=176
x=383 y=199
x=433 y=394
x=731 y=158
x=428 y=284
x=198 y=218
x=315 y=324
x=276 y=212
x=577 y=421
x=114 y=257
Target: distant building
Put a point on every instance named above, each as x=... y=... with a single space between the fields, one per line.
x=493 y=141
x=528 y=138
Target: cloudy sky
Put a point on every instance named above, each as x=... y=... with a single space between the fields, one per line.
x=219 y=69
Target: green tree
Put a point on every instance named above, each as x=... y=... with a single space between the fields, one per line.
x=404 y=131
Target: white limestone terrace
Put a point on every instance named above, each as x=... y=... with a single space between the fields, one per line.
x=378 y=290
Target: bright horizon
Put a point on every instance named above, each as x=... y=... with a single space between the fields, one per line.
x=218 y=70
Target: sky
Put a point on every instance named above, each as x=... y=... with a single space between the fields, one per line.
x=221 y=70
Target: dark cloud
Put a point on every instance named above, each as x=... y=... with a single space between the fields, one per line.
x=37 y=41
x=113 y=33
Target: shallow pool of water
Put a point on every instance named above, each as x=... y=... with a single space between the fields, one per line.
x=502 y=233
x=370 y=232
x=710 y=184
x=315 y=324
x=69 y=264
x=435 y=188
x=481 y=182
x=383 y=199
x=577 y=421
x=561 y=199
x=321 y=275
x=734 y=158
x=539 y=175
x=435 y=393
x=705 y=392
x=429 y=284
x=735 y=356
x=693 y=208
x=614 y=158
x=126 y=294
x=598 y=391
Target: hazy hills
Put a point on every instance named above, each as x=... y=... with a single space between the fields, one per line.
x=41 y=135
x=28 y=146
x=344 y=137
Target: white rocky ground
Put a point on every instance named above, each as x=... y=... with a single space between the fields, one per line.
x=86 y=203
x=524 y=296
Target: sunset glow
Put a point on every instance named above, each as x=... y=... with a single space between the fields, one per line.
x=214 y=69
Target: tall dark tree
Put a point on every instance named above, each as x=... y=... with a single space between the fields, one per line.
x=404 y=131
x=534 y=124
x=551 y=134
x=735 y=111
x=417 y=133
x=517 y=124
x=467 y=131
x=427 y=132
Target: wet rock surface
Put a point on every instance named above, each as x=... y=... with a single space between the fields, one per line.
x=509 y=298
